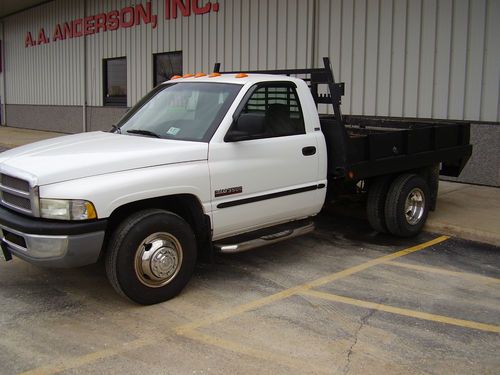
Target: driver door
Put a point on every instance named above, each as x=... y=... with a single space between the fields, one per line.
x=271 y=177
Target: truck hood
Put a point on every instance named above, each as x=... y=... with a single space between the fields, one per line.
x=90 y=154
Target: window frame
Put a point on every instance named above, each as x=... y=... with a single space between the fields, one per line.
x=115 y=101
x=155 y=68
x=257 y=86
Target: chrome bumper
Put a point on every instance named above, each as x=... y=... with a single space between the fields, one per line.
x=62 y=251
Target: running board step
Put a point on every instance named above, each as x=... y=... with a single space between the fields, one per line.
x=264 y=237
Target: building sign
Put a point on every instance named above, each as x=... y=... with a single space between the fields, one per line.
x=126 y=17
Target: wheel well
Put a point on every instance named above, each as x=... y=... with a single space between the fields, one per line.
x=186 y=206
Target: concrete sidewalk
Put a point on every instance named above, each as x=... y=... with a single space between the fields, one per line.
x=466 y=211
x=14 y=137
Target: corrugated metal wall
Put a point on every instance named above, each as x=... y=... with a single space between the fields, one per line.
x=243 y=34
x=48 y=74
x=413 y=58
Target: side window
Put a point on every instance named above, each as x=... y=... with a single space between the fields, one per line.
x=279 y=106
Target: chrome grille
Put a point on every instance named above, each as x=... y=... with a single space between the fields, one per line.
x=16 y=200
x=15 y=183
x=16 y=194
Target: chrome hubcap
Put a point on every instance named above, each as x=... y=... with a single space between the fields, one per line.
x=414 y=206
x=158 y=259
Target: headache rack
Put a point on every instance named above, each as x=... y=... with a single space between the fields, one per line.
x=314 y=78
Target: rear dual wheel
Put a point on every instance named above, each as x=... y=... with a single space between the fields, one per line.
x=375 y=207
x=399 y=206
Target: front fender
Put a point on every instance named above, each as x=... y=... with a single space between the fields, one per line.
x=109 y=191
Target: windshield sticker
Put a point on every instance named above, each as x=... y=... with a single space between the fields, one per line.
x=173 y=131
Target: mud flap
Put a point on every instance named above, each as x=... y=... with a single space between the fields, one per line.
x=6 y=252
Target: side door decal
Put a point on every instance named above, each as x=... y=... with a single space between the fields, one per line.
x=279 y=194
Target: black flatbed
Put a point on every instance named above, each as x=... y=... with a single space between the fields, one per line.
x=378 y=146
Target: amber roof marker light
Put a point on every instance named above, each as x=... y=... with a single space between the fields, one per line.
x=189 y=75
x=213 y=75
x=199 y=74
x=241 y=75
x=176 y=77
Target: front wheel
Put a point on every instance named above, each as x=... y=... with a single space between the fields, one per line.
x=407 y=205
x=151 y=256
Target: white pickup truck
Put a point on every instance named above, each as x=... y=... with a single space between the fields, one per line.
x=206 y=163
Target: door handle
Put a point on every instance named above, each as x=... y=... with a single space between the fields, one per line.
x=309 y=150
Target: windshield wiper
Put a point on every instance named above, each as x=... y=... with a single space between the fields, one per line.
x=143 y=132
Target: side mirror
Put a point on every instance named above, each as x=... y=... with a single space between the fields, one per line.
x=246 y=126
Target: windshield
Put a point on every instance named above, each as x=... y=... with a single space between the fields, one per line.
x=188 y=111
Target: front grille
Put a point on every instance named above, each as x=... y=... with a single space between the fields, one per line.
x=16 y=193
x=14 y=183
x=15 y=200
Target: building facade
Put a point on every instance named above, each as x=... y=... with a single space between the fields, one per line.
x=72 y=66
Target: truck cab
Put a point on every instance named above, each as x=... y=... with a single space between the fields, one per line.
x=219 y=156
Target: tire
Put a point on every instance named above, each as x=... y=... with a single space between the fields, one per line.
x=375 y=205
x=400 y=220
x=151 y=256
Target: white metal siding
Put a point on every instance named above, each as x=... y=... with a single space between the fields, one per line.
x=237 y=36
x=414 y=58
x=47 y=74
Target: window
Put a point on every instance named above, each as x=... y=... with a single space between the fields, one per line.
x=188 y=111
x=166 y=65
x=279 y=105
x=115 y=81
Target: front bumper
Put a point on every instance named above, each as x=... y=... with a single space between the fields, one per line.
x=51 y=243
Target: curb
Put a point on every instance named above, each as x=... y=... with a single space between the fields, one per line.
x=433 y=226
x=463 y=233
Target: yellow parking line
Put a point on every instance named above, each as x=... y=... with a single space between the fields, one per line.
x=465 y=275
x=71 y=363
x=187 y=329
x=283 y=360
x=373 y=262
x=404 y=312
x=312 y=284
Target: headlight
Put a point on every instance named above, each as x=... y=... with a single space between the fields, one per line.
x=67 y=209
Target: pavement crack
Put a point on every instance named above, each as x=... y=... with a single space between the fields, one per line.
x=364 y=320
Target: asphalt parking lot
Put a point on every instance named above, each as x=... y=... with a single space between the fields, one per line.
x=341 y=300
